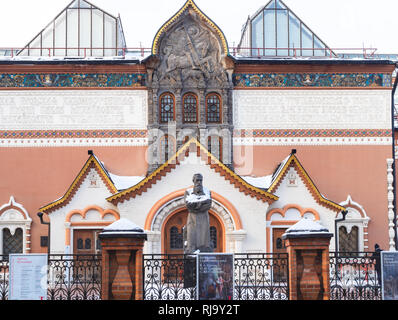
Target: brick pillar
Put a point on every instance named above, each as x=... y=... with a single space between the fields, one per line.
x=307 y=244
x=122 y=245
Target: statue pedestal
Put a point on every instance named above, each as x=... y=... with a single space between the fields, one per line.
x=190 y=271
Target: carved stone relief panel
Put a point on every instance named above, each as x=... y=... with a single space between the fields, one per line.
x=190 y=57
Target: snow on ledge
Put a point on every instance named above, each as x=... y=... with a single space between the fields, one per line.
x=123 y=226
x=307 y=225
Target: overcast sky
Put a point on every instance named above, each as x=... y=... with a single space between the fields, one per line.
x=339 y=23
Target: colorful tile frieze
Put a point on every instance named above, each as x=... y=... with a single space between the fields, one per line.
x=68 y=80
x=262 y=133
x=71 y=134
x=327 y=80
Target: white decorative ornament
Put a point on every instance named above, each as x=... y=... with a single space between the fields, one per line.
x=390 y=198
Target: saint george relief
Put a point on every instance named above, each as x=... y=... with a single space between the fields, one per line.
x=190 y=56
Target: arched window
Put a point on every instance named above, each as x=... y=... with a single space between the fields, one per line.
x=80 y=243
x=349 y=239
x=167 y=104
x=12 y=243
x=167 y=147
x=190 y=108
x=87 y=244
x=213 y=108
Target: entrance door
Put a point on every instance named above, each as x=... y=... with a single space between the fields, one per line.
x=85 y=241
x=85 y=244
x=278 y=246
x=173 y=234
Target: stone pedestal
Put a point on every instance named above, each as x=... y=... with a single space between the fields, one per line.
x=307 y=244
x=122 y=247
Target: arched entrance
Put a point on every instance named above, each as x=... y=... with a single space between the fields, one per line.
x=172 y=232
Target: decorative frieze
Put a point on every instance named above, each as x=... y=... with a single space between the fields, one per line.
x=71 y=134
x=312 y=109
x=317 y=80
x=72 y=80
x=269 y=133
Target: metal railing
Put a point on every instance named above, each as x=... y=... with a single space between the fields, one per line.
x=262 y=276
x=253 y=52
x=70 y=277
x=355 y=276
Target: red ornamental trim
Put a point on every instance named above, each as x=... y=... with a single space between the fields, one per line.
x=300 y=133
x=71 y=134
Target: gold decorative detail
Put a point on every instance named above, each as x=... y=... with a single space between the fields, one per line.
x=78 y=181
x=189 y=3
x=173 y=160
x=313 y=189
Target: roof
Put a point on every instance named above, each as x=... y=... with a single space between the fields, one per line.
x=64 y=35
x=212 y=161
x=91 y=163
x=282 y=170
x=190 y=4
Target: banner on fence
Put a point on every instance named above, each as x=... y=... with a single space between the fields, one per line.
x=389 y=275
x=215 y=276
x=28 y=277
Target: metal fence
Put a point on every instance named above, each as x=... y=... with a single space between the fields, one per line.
x=70 y=277
x=355 y=276
x=262 y=276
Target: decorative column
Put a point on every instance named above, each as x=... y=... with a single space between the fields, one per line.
x=390 y=198
x=307 y=244
x=122 y=245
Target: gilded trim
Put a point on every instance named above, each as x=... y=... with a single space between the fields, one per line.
x=165 y=27
x=294 y=162
x=91 y=163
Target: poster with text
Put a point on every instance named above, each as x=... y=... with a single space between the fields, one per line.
x=215 y=276
x=28 y=277
x=389 y=275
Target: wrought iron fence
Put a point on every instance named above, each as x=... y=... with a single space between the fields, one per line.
x=262 y=276
x=164 y=278
x=70 y=277
x=355 y=276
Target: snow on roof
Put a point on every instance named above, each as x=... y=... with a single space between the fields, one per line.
x=125 y=182
x=307 y=225
x=258 y=182
x=123 y=225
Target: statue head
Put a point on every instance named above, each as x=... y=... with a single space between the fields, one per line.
x=197 y=183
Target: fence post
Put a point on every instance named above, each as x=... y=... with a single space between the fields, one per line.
x=122 y=245
x=307 y=244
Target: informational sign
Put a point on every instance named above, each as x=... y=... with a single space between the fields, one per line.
x=215 y=276
x=389 y=275
x=28 y=277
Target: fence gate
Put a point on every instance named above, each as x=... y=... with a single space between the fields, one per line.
x=262 y=276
